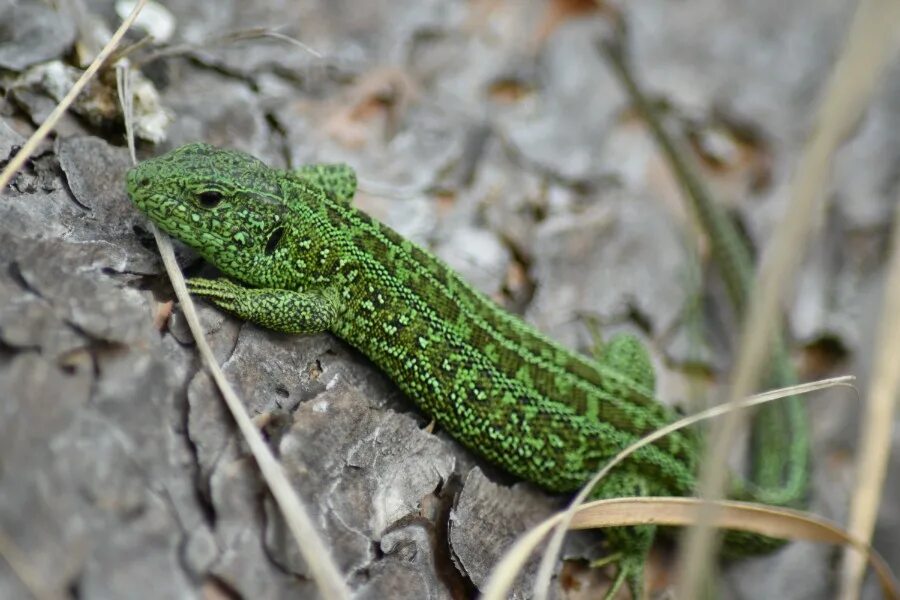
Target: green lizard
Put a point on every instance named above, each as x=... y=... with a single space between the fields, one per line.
x=302 y=259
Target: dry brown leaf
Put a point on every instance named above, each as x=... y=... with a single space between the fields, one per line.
x=163 y=314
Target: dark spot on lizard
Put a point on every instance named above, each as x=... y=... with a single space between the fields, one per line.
x=274 y=238
x=209 y=199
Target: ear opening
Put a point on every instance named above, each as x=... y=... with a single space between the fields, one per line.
x=273 y=240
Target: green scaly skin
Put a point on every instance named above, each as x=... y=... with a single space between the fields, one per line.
x=301 y=259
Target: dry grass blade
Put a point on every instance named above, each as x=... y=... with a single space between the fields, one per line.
x=504 y=573
x=742 y=516
x=322 y=567
x=22 y=155
x=876 y=425
x=620 y=512
x=21 y=568
x=542 y=582
x=314 y=551
x=849 y=90
x=545 y=572
x=265 y=32
x=228 y=38
x=123 y=87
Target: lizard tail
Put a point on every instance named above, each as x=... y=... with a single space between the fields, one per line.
x=780 y=437
x=780 y=445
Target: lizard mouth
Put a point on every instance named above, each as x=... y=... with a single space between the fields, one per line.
x=136 y=181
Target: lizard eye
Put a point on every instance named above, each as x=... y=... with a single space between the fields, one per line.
x=274 y=238
x=209 y=199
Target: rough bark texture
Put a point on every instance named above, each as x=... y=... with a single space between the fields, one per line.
x=494 y=133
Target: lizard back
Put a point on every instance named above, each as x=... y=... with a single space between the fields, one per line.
x=499 y=386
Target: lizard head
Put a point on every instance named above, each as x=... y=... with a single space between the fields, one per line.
x=223 y=203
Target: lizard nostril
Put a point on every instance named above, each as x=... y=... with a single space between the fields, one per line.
x=138 y=180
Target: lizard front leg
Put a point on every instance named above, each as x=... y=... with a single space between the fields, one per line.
x=281 y=310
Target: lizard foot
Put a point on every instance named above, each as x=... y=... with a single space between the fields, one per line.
x=223 y=293
x=273 y=308
x=629 y=572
